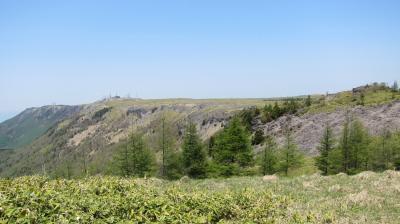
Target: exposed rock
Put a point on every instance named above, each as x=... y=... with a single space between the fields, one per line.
x=139 y=112
x=308 y=128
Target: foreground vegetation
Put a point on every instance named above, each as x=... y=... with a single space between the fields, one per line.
x=364 y=198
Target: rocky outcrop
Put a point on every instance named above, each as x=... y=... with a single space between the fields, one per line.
x=308 y=128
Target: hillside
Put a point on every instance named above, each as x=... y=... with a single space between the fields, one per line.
x=94 y=131
x=307 y=128
x=98 y=128
x=31 y=124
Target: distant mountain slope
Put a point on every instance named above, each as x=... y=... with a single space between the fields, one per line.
x=32 y=123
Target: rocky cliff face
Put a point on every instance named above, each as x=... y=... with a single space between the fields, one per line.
x=113 y=121
x=308 y=128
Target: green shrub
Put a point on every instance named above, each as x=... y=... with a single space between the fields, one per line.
x=114 y=200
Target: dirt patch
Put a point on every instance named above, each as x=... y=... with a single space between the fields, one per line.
x=78 y=138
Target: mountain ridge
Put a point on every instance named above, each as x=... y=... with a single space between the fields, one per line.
x=96 y=130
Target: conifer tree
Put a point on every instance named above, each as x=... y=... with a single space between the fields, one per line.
x=174 y=165
x=267 y=113
x=171 y=161
x=335 y=161
x=135 y=158
x=395 y=87
x=268 y=157
x=362 y=99
x=194 y=157
x=258 y=137
x=122 y=160
x=325 y=148
x=233 y=145
x=308 y=101
x=143 y=159
x=290 y=157
x=354 y=146
x=211 y=144
x=359 y=140
x=383 y=151
x=163 y=148
x=276 y=111
x=395 y=143
x=345 y=144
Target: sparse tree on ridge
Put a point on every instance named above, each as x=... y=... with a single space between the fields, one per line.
x=395 y=87
x=308 y=101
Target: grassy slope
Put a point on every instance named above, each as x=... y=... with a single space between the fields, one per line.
x=348 y=99
x=32 y=123
x=364 y=198
x=25 y=133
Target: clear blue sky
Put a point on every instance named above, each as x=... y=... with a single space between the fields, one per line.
x=73 y=52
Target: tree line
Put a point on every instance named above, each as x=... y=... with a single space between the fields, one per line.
x=355 y=150
x=230 y=152
x=227 y=153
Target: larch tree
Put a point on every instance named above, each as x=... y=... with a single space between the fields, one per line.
x=345 y=143
x=194 y=156
x=325 y=147
x=233 y=146
x=290 y=156
x=268 y=156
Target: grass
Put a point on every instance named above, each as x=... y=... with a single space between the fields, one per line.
x=365 y=198
x=348 y=99
x=158 y=102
